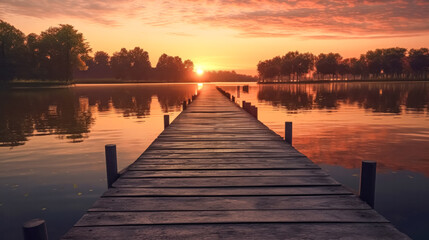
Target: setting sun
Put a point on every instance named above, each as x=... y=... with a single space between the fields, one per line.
x=200 y=71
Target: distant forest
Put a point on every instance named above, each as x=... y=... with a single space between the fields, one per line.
x=380 y=64
x=62 y=54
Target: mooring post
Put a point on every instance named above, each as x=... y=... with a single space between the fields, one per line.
x=189 y=101
x=247 y=108
x=184 y=105
x=166 y=120
x=35 y=229
x=255 y=112
x=233 y=98
x=111 y=164
x=288 y=132
x=367 y=182
x=193 y=97
x=244 y=104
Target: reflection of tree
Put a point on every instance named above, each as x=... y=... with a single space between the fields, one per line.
x=135 y=100
x=379 y=97
x=293 y=97
x=55 y=111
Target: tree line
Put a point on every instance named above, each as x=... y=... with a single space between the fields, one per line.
x=62 y=54
x=134 y=64
x=389 y=63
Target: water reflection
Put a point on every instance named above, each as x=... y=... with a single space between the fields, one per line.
x=338 y=125
x=53 y=166
x=69 y=112
x=378 y=97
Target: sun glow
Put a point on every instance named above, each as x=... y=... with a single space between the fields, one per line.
x=200 y=71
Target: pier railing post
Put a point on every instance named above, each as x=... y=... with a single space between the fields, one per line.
x=184 y=105
x=288 y=132
x=111 y=164
x=166 y=121
x=367 y=182
x=35 y=229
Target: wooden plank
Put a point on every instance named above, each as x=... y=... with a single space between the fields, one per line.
x=216 y=155
x=372 y=231
x=227 y=191
x=224 y=173
x=267 y=166
x=255 y=160
x=125 y=204
x=273 y=145
x=247 y=216
x=225 y=182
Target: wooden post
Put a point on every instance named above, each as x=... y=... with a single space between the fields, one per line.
x=35 y=229
x=255 y=112
x=189 y=101
x=193 y=97
x=244 y=104
x=184 y=105
x=233 y=98
x=288 y=132
x=367 y=182
x=111 y=164
x=166 y=121
x=247 y=108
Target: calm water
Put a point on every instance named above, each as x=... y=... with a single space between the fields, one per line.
x=52 y=146
x=52 y=142
x=339 y=125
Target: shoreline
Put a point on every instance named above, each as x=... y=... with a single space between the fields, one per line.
x=57 y=84
x=348 y=81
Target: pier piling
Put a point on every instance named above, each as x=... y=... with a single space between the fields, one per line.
x=166 y=121
x=288 y=132
x=35 y=229
x=111 y=164
x=367 y=182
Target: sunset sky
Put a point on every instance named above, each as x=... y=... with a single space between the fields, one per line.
x=233 y=34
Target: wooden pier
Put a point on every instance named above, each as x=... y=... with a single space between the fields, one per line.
x=218 y=173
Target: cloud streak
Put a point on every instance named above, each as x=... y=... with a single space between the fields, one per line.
x=321 y=19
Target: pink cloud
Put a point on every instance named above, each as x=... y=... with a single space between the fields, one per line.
x=252 y=18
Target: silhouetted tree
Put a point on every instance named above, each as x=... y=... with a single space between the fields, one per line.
x=393 y=61
x=171 y=68
x=61 y=50
x=120 y=64
x=328 y=63
x=12 y=49
x=374 y=61
x=140 y=64
x=419 y=61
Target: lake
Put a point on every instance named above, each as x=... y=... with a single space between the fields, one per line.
x=52 y=141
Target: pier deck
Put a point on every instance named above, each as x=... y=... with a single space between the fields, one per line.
x=218 y=173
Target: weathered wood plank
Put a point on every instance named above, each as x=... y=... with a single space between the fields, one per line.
x=247 y=216
x=242 y=166
x=217 y=155
x=121 y=204
x=227 y=191
x=224 y=173
x=225 y=182
x=316 y=231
